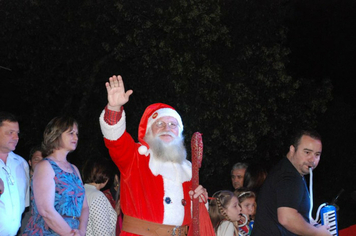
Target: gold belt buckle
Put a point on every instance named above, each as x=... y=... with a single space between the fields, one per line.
x=174 y=231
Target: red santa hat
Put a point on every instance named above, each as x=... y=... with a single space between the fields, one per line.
x=151 y=114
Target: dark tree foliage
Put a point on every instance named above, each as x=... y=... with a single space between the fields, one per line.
x=221 y=64
x=54 y=51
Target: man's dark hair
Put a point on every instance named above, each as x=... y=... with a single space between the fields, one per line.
x=96 y=171
x=307 y=132
x=35 y=149
x=6 y=116
x=254 y=177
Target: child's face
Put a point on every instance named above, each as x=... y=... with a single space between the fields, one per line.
x=233 y=209
x=248 y=206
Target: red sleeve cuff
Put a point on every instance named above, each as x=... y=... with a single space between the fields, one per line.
x=112 y=117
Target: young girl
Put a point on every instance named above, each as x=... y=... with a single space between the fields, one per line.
x=247 y=201
x=224 y=211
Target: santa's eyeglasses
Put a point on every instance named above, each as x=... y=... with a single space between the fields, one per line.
x=162 y=124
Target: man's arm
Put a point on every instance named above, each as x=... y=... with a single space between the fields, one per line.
x=293 y=221
x=112 y=119
x=2 y=188
x=28 y=180
x=117 y=96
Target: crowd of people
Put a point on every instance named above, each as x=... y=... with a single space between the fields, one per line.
x=152 y=192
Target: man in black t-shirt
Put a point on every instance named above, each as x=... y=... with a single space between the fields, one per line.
x=283 y=202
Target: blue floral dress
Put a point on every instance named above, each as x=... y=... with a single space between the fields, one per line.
x=68 y=202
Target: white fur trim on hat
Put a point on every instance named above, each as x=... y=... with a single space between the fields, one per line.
x=165 y=112
x=143 y=150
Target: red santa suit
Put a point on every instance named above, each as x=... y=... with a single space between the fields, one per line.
x=150 y=189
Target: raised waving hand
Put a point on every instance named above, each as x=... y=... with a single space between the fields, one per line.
x=117 y=96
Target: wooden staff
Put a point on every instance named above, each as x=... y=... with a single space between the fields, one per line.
x=197 y=156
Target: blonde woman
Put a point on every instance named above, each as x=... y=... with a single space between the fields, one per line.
x=58 y=196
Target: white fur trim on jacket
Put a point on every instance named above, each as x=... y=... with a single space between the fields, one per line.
x=112 y=132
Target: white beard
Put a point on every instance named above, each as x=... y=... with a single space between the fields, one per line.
x=173 y=151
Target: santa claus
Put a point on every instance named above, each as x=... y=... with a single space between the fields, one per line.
x=156 y=188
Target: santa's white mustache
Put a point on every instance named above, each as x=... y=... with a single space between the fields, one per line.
x=167 y=133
